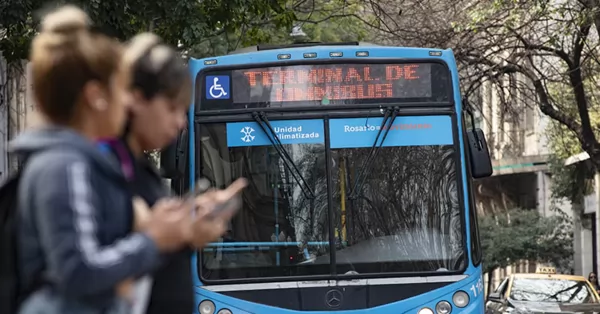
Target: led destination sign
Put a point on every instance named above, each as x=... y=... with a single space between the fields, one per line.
x=332 y=82
x=309 y=85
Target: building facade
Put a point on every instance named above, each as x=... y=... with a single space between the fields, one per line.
x=516 y=133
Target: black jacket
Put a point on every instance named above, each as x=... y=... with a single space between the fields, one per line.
x=172 y=291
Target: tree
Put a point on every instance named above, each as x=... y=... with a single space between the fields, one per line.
x=571 y=182
x=525 y=48
x=321 y=21
x=525 y=235
x=575 y=181
x=551 y=45
x=209 y=27
x=182 y=23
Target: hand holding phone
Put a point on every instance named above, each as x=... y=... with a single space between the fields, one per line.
x=215 y=209
x=200 y=187
x=225 y=203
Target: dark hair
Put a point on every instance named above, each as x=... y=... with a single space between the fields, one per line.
x=65 y=56
x=155 y=68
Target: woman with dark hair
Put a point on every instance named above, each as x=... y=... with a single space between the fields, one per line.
x=156 y=86
x=75 y=243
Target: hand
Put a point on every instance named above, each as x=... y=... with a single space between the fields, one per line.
x=141 y=214
x=141 y=218
x=215 y=210
x=125 y=290
x=166 y=224
x=223 y=203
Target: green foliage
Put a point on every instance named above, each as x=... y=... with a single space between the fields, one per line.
x=327 y=25
x=321 y=22
x=570 y=182
x=202 y=28
x=16 y=28
x=525 y=235
x=184 y=22
x=567 y=182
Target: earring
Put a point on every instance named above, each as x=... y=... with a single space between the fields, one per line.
x=101 y=104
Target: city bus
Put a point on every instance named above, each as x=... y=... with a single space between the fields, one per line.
x=360 y=160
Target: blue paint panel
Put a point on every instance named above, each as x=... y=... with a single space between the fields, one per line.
x=405 y=131
x=472 y=285
x=241 y=134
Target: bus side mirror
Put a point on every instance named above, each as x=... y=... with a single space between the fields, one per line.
x=173 y=157
x=481 y=163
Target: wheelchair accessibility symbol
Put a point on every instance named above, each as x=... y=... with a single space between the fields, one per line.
x=217 y=87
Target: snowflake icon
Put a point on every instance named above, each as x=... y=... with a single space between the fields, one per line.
x=248 y=137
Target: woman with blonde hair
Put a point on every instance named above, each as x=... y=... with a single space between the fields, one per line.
x=74 y=207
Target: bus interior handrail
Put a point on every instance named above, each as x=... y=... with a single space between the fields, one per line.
x=293 y=243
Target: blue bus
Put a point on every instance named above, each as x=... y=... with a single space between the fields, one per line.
x=360 y=160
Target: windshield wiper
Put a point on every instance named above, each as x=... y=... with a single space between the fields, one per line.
x=375 y=148
x=262 y=120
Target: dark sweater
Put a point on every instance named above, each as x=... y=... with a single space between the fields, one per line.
x=172 y=291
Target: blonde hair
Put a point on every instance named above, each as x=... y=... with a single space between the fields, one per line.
x=65 y=56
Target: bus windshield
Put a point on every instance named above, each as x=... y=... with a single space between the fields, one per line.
x=307 y=204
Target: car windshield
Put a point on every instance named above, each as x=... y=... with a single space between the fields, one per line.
x=402 y=216
x=551 y=290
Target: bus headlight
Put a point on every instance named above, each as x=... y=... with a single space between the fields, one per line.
x=460 y=299
x=224 y=311
x=206 y=307
x=425 y=310
x=443 y=307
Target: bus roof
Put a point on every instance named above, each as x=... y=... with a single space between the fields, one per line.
x=317 y=51
x=298 y=45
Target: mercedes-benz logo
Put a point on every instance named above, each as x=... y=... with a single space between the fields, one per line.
x=334 y=298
